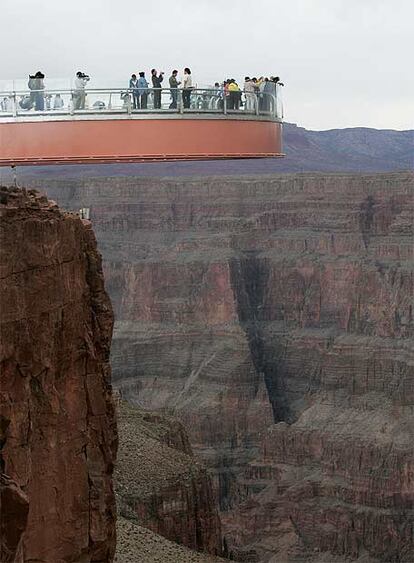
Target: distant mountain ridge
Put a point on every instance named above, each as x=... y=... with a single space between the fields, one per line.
x=358 y=149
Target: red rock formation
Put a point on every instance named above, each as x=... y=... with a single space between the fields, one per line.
x=246 y=301
x=55 y=394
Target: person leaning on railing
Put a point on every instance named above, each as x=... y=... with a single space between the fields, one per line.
x=36 y=85
x=174 y=83
x=273 y=84
x=249 y=91
x=218 y=95
x=234 y=94
x=79 y=94
x=226 y=92
x=143 y=90
x=187 y=87
x=133 y=86
x=156 y=84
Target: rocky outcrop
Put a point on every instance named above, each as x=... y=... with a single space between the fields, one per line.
x=136 y=544
x=274 y=317
x=160 y=485
x=58 y=425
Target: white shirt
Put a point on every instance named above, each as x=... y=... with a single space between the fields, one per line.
x=80 y=83
x=187 y=81
x=249 y=86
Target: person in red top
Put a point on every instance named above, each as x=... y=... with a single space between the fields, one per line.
x=226 y=92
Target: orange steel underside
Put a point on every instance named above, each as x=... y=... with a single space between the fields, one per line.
x=136 y=140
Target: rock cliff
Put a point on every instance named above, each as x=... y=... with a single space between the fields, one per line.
x=160 y=485
x=58 y=430
x=274 y=316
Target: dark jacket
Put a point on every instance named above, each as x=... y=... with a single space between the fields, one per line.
x=174 y=82
x=36 y=83
x=156 y=80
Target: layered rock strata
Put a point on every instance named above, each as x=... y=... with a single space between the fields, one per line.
x=244 y=302
x=58 y=423
x=160 y=485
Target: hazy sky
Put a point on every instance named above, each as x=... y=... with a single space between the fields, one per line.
x=344 y=62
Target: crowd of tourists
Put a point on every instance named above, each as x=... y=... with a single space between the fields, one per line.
x=261 y=89
x=256 y=93
x=140 y=88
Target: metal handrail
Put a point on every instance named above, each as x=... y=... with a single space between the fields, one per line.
x=202 y=100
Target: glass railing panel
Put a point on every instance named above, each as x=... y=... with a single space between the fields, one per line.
x=7 y=104
x=100 y=101
x=279 y=102
x=250 y=102
x=204 y=100
x=97 y=101
x=266 y=103
x=41 y=102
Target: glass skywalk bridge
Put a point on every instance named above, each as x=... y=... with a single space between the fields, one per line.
x=51 y=126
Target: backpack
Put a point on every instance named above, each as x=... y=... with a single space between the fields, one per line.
x=26 y=103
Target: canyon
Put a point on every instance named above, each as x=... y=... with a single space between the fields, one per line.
x=274 y=317
x=58 y=429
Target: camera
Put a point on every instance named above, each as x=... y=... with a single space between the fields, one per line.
x=37 y=75
x=83 y=75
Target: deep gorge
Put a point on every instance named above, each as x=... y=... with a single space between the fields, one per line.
x=273 y=316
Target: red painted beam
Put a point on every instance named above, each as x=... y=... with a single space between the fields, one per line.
x=130 y=140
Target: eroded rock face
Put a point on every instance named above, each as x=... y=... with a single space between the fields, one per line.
x=245 y=302
x=59 y=441
x=161 y=486
x=14 y=507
